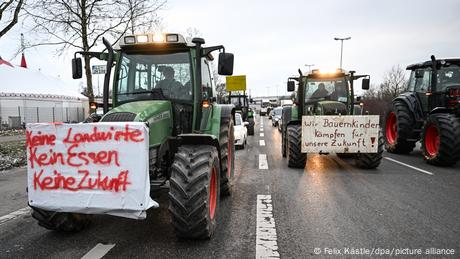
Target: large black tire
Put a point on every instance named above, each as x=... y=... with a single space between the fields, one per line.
x=251 y=127
x=441 y=140
x=61 y=221
x=296 y=158
x=194 y=191
x=345 y=155
x=371 y=160
x=227 y=143
x=399 y=126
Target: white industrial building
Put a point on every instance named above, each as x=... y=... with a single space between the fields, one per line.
x=29 y=96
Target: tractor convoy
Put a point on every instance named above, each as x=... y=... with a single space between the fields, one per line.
x=164 y=81
x=429 y=111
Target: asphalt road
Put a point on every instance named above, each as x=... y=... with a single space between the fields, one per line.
x=330 y=205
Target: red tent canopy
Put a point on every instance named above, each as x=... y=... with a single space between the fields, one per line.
x=4 y=62
x=23 y=61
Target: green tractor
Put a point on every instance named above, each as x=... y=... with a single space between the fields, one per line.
x=428 y=111
x=241 y=103
x=323 y=94
x=165 y=81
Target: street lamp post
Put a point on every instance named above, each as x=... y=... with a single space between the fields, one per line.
x=309 y=66
x=341 y=47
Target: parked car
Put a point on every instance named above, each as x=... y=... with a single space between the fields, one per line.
x=276 y=116
x=240 y=131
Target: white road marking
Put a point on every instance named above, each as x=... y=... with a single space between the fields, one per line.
x=98 y=251
x=261 y=134
x=14 y=215
x=413 y=167
x=266 y=240
x=261 y=129
x=262 y=142
x=263 y=164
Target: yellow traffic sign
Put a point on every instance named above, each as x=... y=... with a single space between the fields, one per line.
x=236 y=83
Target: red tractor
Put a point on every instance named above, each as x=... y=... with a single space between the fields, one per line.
x=428 y=111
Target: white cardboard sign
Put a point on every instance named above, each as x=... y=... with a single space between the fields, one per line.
x=92 y=168
x=340 y=134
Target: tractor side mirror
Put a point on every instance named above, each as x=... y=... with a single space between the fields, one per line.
x=290 y=86
x=225 y=66
x=366 y=84
x=76 y=68
x=359 y=98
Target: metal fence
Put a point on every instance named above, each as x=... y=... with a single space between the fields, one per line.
x=17 y=117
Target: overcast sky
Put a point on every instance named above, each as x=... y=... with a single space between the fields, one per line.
x=272 y=39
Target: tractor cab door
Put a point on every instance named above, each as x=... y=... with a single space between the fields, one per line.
x=421 y=82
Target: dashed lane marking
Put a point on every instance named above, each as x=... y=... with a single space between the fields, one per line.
x=262 y=142
x=263 y=164
x=261 y=134
x=266 y=239
x=412 y=167
x=14 y=214
x=98 y=251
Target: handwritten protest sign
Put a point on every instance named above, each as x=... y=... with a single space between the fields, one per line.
x=340 y=134
x=93 y=168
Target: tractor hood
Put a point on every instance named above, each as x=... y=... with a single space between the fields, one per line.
x=331 y=108
x=156 y=114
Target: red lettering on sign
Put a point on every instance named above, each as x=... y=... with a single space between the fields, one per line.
x=39 y=140
x=70 y=183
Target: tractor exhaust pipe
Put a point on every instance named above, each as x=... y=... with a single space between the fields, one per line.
x=105 y=95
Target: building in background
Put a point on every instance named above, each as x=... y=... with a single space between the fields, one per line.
x=28 y=96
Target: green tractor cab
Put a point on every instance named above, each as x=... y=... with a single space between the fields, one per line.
x=322 y=94
x=241 y=102
x=165 y=82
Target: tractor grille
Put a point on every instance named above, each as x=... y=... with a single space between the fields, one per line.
x=119 y=116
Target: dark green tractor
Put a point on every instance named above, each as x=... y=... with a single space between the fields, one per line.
x=164 y=81
x=428 y=111
x=323 y=94
x=241 y=103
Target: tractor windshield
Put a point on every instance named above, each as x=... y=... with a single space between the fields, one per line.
x=152 y=76
x=238 y=101
x=326 y=89
x=448 y=77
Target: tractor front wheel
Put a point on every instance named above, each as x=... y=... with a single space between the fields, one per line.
x=194 y=191
x=371 y=160
x=296 y=158
x=399 y=124
x=441 y=139
x=61 y=221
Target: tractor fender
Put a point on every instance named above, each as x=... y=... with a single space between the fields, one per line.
x=413 y=102
x=197 y=139
x=441 y=110
x=227 y=110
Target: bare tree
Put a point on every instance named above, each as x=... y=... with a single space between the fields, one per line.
x=9 y=14
x=81 y=24
x=394 y=82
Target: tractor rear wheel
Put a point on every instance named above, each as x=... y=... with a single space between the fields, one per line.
x=399 y=124
x=441 y=139
x=194 y=191
x=371 y=160
x=227 y=151
x=283 y=144
x=61 y=221
x=296 y=158
x=251 y=126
